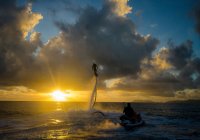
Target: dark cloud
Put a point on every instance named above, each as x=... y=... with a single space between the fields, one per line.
x=196 y=64
x=180 y=55
x=99 y=35
x=10 y=36
x=16 y=53
x=187 y=65
x=107 y=39
x=181 y=72
x=184 y=66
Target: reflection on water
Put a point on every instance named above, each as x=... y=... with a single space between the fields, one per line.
x=58 y=106
x=56 y=134
x=64 y=120
x=55 y=121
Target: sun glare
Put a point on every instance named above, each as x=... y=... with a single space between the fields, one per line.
x=58 y=95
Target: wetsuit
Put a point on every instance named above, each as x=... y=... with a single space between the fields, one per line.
x=129 y=112
x=95 y=68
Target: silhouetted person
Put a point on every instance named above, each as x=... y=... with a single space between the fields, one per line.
x=128 y=111
x=95 y=68
x=130 y=114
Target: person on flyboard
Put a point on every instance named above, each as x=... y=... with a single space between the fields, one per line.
x=95 y=69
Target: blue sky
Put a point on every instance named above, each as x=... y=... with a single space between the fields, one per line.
x=171 y=19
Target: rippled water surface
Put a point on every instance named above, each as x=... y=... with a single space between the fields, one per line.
x=51 y=120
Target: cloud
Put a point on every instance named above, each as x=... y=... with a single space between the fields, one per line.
x=17 y=60
x=111 y=41
x=160 y=61
x=180 y=55
x=17 y=93
x=170 y=70
x=188 y=94
x=105 y=36
x=185 y=64
x=119 y=7
x=28 y=20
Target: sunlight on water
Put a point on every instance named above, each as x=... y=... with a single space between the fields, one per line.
x=56 y=121
x=64 y=120
x=58 y=106
x=57 y=134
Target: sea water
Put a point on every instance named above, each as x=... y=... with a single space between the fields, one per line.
x=65 y=120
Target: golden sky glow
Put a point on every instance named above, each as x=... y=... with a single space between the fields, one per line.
x=21 y=93
x=59 y=95
x=48 y=57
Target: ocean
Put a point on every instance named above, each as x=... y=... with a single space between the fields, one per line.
x=66 y=120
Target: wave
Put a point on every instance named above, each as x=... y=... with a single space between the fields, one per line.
x=84 y=124
x=73 y=120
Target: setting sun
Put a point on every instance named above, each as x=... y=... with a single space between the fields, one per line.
x=58 y=95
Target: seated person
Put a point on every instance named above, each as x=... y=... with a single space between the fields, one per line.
x=130 y=114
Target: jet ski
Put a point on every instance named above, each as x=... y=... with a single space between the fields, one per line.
x=130 y=124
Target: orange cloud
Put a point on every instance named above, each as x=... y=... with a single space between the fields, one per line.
x=121 y=7
x=29 y=20
x=160 y=60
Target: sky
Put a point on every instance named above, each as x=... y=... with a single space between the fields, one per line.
x=146 y=50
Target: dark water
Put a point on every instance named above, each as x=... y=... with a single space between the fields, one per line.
x=51 y=120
